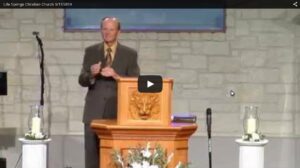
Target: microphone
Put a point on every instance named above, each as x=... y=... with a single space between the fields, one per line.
x=35 y=33
x=208 y=123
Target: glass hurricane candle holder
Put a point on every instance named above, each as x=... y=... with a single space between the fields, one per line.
x=251 y=120
x=35 y=121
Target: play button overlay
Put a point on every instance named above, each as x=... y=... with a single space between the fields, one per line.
x=150 y=83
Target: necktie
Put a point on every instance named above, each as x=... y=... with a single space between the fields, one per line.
x=108 y=57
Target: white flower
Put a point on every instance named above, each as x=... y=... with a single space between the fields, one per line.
x=245 y=137
x=178 y=165
x=170 y=158
x=148 y=146
x=255 y=136
x=153 y=166
x=146 y=153
x=145 y=164
x=39 y=135
x=136 y=165
x=120 y=160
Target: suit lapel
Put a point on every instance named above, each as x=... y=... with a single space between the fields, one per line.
x=116 y=61
x=100 y=52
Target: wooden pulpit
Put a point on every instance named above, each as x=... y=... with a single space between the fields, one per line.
x=143 y=118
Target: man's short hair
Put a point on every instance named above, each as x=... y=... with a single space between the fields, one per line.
x=111 y=18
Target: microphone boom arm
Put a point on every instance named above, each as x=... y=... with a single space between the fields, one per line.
x=39 y=40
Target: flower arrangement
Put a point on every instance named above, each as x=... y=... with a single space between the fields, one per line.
x=253 y=137
x=32 y=136
x=143 y=158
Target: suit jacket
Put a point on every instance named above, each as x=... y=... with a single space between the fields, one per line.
x=101 y=97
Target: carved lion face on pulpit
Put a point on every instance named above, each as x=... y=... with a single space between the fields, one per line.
x=144 y=106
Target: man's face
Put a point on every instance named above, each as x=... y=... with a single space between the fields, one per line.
x=110 y=31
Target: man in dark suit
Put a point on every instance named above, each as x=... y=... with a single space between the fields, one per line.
x=103 y=63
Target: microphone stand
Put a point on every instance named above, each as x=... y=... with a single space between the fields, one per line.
x=208 y=122
x=41 y=57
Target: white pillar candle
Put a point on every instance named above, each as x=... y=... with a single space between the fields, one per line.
x=251 y=125
x=36 y=125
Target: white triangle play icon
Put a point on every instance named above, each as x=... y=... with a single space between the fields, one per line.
x=149 y=84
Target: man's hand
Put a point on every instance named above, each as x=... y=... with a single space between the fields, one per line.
x=109 y=72
x=95 y=69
